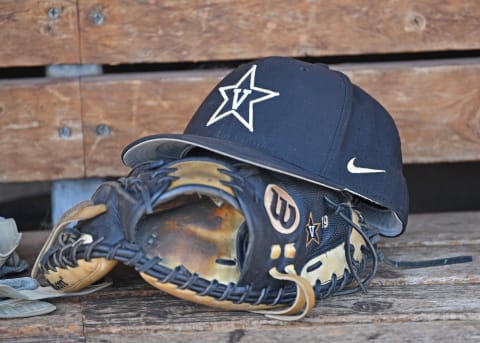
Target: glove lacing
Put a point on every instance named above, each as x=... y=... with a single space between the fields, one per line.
x=74 y=245
x=306 y=294
x=305 y=299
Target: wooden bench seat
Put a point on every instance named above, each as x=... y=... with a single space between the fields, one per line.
x=430 y=304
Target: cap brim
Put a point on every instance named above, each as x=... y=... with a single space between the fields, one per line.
x=171 y=146
x=174 y=146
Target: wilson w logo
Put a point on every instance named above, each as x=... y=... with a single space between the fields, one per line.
x=281 y=209
x=278 y=209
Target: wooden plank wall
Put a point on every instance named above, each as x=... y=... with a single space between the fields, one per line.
x=38 y=33
x=49 y=127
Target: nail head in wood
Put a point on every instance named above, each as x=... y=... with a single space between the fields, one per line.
x=53 y=13
x=103 y=130
x=96 y=16
x=64 y=132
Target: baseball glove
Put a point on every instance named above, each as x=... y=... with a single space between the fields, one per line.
x=219 y=233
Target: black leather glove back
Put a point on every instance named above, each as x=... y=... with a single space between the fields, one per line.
x=218 y=233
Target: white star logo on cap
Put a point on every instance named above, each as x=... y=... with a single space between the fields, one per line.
x=242 y=93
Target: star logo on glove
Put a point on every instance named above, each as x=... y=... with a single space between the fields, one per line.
x=238 y=100
x=312 y=231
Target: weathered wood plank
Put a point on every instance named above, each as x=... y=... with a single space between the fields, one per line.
x=125 y=32
x=427 y=304
x=115 y=31
x=31 y=114
x=64 y=324
x=151 y=313
x=38 y=32
x=133 y=107
x=161 y=313
x=436 y=108
x=46 y=339
x=442 y=331
x=450 y=274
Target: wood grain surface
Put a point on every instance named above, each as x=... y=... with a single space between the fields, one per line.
x=32 y=115
x=438 y=303
x=454 y=330
x=136 y=106
x=38 y=32
x=121 y=31
x=436 y=107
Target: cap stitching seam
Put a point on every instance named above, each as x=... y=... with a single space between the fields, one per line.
x=339 y=124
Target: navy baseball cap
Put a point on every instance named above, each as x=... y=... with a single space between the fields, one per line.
x=303 y=120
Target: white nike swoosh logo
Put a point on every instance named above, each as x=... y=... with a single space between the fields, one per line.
x=352 y=168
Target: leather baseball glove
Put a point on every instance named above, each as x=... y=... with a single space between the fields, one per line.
x=219 y=233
